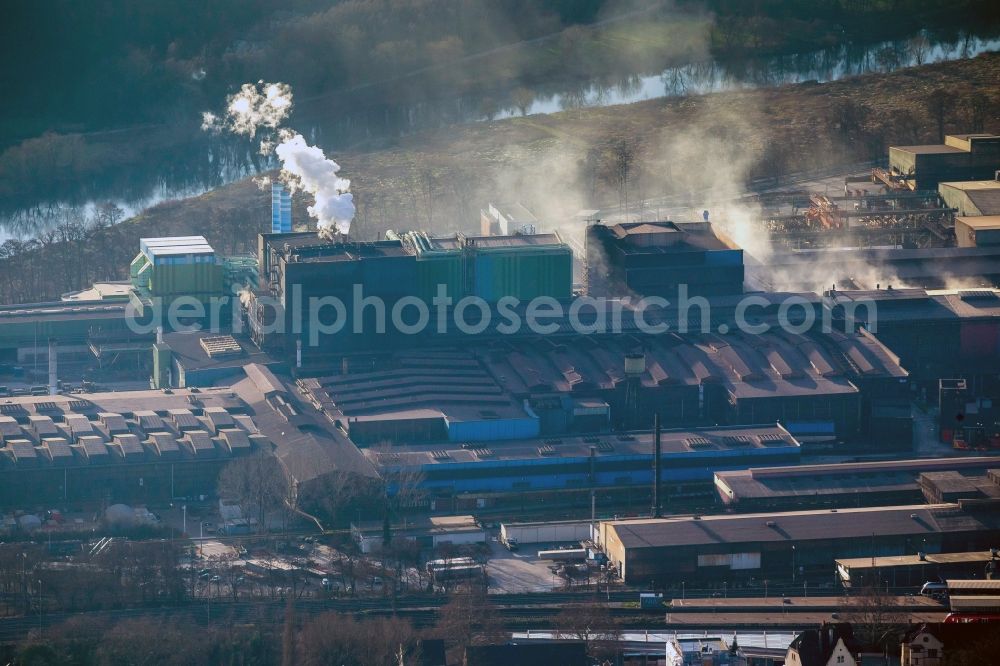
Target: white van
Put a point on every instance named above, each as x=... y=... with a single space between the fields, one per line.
x=934 y=590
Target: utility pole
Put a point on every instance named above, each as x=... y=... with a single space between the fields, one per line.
x=657 y=509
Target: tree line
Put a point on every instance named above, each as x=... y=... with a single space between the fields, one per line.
x=298 y=638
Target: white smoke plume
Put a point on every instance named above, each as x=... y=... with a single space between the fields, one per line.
x=262 y=108
x=305 y=167
x=255 y=107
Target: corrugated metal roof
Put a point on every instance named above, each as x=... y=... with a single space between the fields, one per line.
x=265 y=380
x=799 y=526
x=959 y=586
x=173 y=245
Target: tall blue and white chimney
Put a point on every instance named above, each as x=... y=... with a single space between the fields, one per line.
x=281 y=209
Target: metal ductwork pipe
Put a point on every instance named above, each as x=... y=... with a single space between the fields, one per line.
x=657 y=509
x=53 y=369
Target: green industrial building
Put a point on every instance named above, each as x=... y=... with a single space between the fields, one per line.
x=168 y=268
x=298 y=270
x=523 y=266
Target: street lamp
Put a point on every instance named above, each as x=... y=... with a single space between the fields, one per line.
x=25 y=599
x=683 y=591
x=793 y=563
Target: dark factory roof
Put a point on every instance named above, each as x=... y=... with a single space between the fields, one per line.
x=306 y=446
x=709 y=441
x=255 y=413
x=920 y=304
x=791 y=527
x=923 y=267
x=462 y=381
x=347 y=252
x=62 y=311
x=843 y=478
x=82 y=429
x=919 y=560
x=953 y=485
x=308 y=246
x=191 y=354
x=516 y=240
x=771 y=364
x=450 y=381
x=677 y=237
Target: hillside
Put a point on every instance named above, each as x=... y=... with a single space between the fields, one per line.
x=559 y=163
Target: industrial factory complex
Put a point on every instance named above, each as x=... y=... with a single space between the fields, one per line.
x=881 y=357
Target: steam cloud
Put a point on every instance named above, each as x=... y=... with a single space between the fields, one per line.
x=262 y=108
x=256 y=106
x=306 y=167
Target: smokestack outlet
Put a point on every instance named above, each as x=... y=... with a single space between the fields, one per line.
x=635 y=364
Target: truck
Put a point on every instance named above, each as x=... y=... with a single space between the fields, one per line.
x=564 y=555
x=509 y=542
x=437 y=565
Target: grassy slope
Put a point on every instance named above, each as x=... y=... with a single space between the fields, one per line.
x=479 y=154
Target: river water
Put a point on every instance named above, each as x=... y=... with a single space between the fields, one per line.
x=203 y=163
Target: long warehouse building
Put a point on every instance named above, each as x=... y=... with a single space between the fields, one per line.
x=882 y=482
x=783 y=545
x=528 y=387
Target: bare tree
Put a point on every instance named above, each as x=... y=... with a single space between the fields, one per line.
x=940 y=104
x=876 y=616
x=429 y=191
x=257 y=483
x=591 y=623
x=332 y=638
x=849 y=117
x=977 y=109
x=488 y=108
x=907 y=126
x=288 y=634
x=918 y=46
x=981 y=651
x=623 y=157
x=522 y=99
x=467 y=619
x=340 y=495
x=108 y=214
